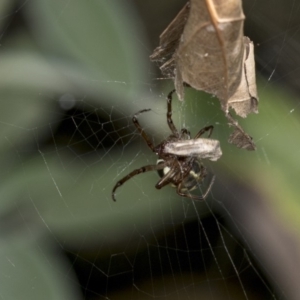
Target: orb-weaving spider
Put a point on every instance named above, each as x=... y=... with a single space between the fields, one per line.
x=179 y=162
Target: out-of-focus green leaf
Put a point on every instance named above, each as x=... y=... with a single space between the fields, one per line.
x=34 y=270
x=98 y=34
x=5 y=6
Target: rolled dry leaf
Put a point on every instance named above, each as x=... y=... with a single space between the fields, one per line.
x=245 y=100
x=210 y=53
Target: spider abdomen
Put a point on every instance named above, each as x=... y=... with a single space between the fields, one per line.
x=195 y=177
x=189 y=181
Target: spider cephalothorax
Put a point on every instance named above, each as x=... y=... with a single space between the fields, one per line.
x=179 y=157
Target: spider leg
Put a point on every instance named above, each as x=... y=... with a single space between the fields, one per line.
x=169 y=114
x=185 y=131
x=194 y=197
x=203 y=130
x=165 y=180
x=141 y=130
x=136 y=172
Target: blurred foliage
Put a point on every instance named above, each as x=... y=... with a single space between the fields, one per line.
x=56 y=55
x=72 y=75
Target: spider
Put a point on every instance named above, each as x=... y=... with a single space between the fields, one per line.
x=179 y=157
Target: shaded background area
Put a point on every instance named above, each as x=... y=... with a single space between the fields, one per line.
x=72 y=76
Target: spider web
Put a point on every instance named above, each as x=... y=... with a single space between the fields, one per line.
x=73 y=74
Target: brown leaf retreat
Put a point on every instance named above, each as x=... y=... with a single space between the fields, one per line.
x=239 y=137
x=244 y=100
x=209 y=56
x=204 y=47
x=168 y=42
